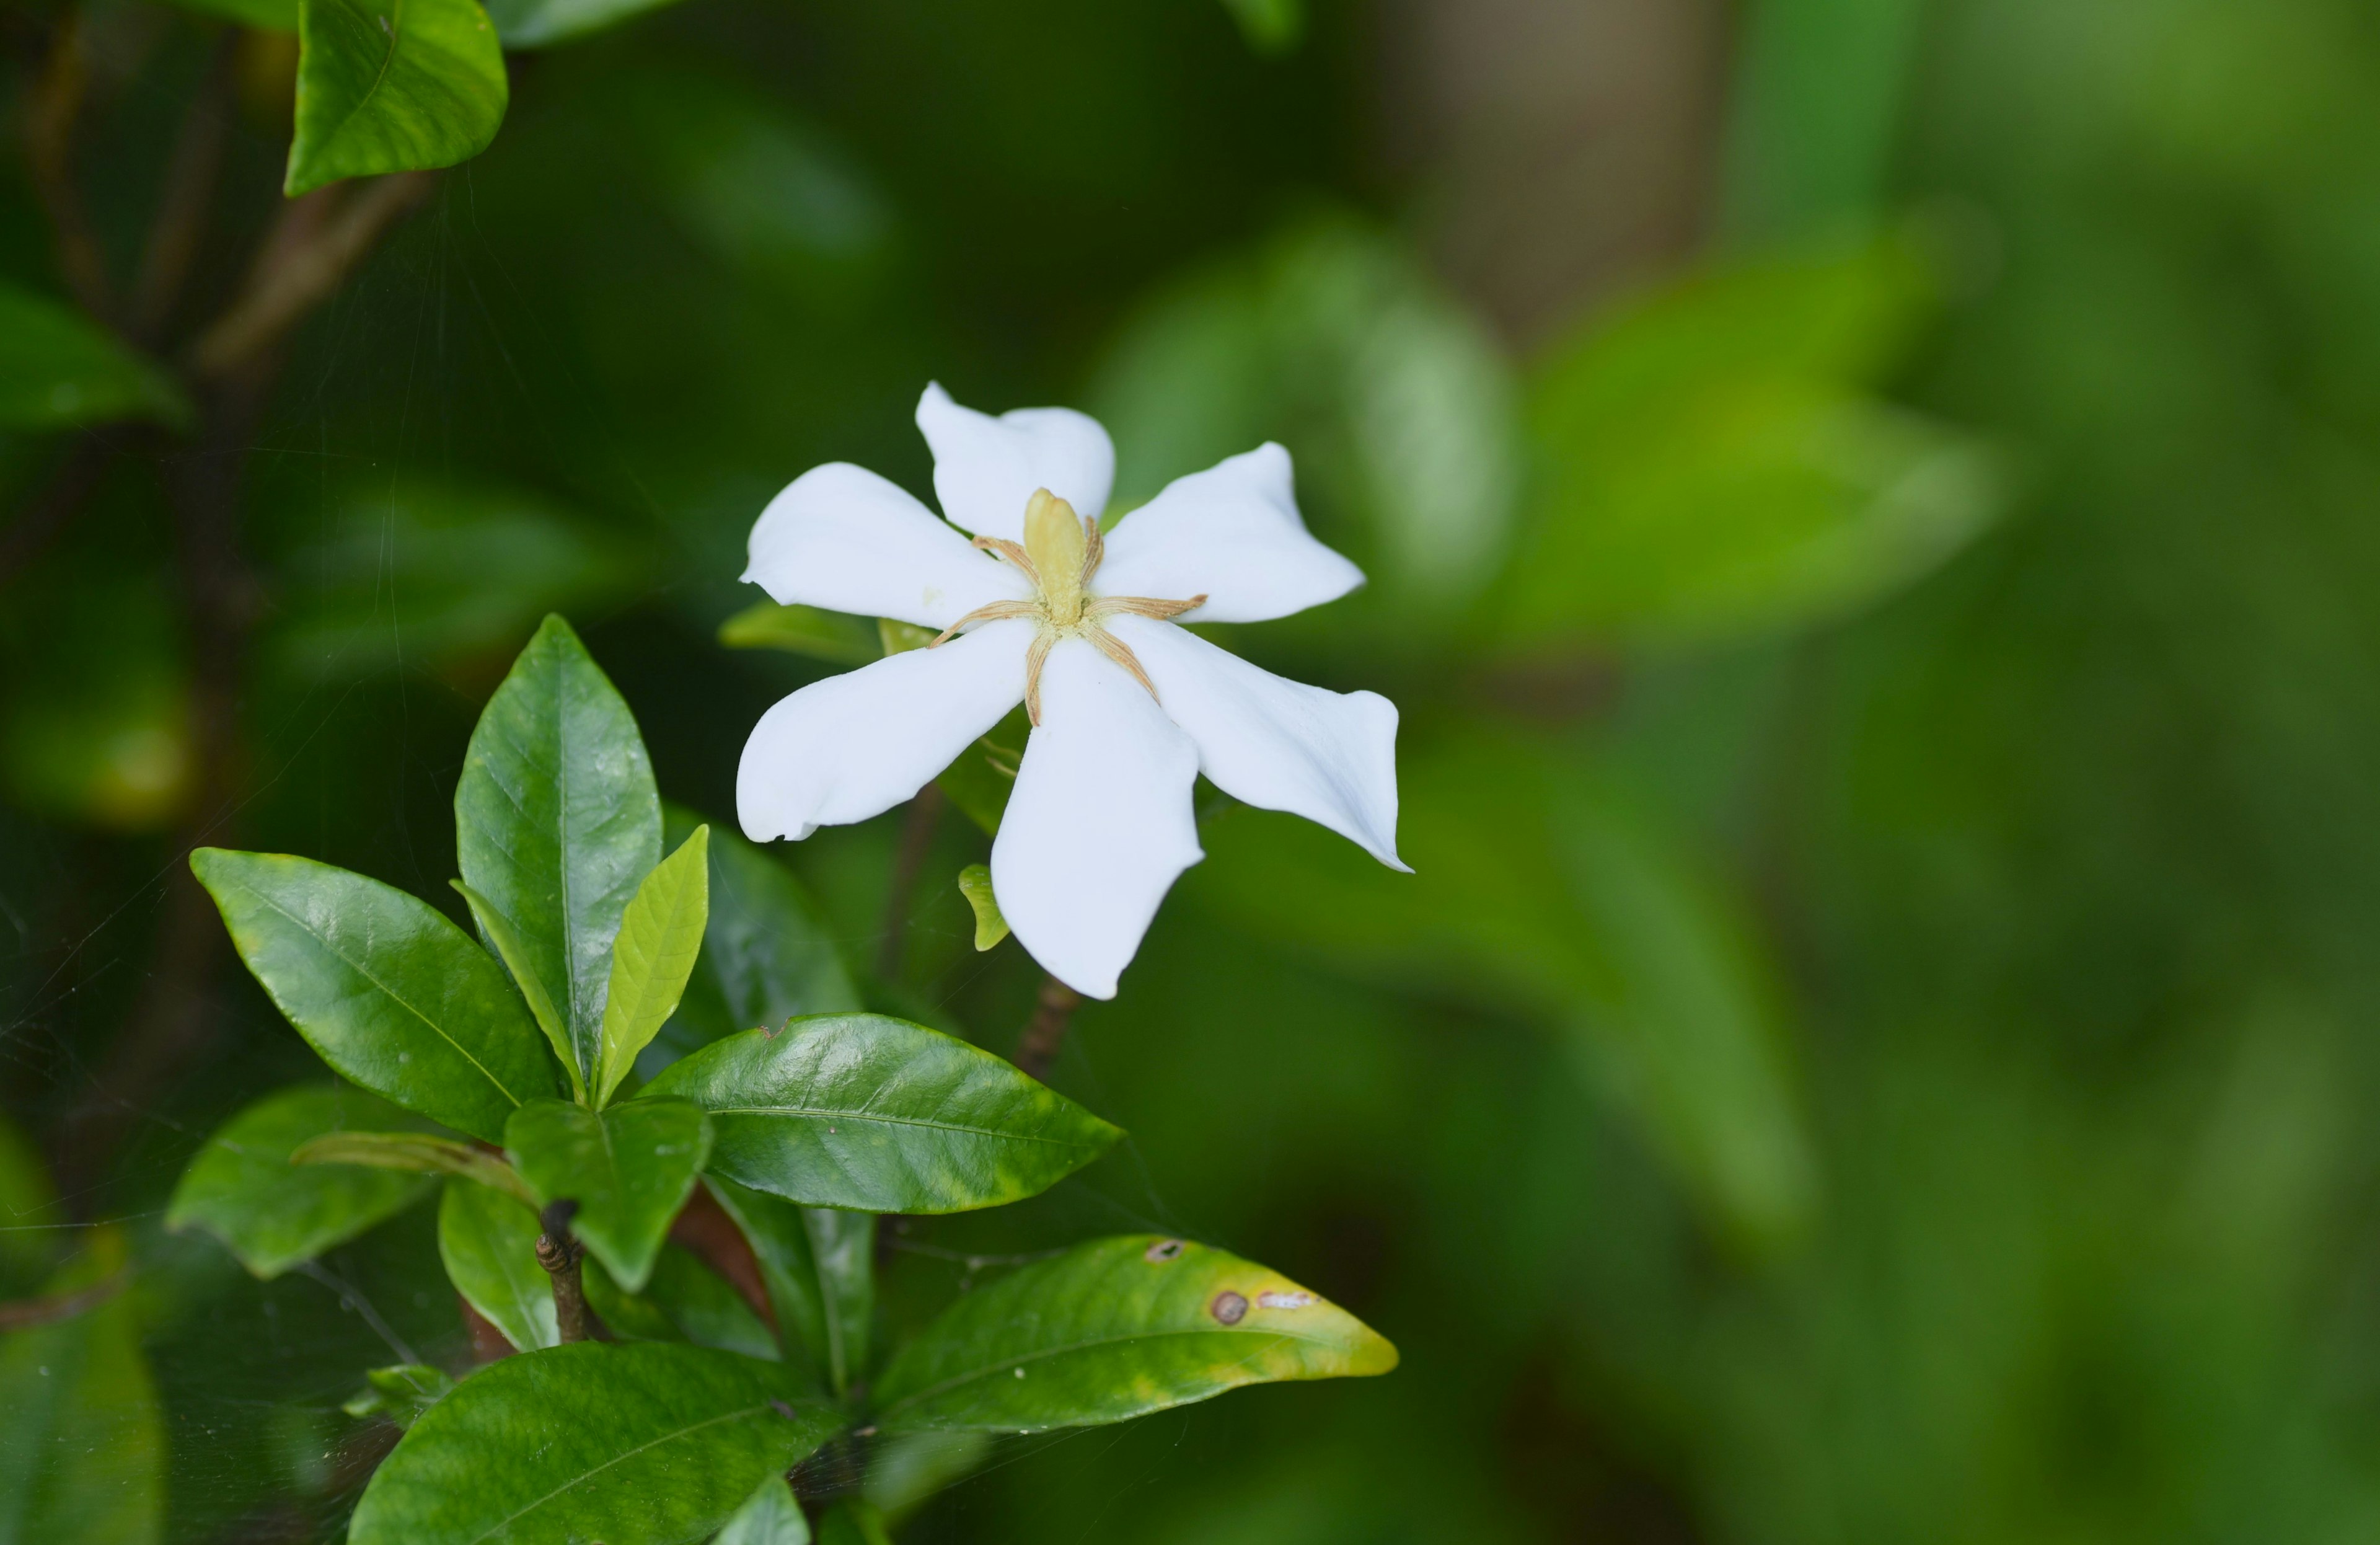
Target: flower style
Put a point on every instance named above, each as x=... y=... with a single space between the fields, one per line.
x=1127 y=708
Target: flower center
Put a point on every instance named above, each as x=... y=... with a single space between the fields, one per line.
x=1061 y=552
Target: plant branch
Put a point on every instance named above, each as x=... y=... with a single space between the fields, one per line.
x=184 y=207
x=561 y=1254
x=1053 y=1011
x=51 y=115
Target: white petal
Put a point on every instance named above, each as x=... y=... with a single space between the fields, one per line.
x=1276 y=743
x=986 y=469
x=1232 y=534
x=854 y=746
x=843 y=538
x=1099 y=823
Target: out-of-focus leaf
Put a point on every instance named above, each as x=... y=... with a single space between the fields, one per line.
x=58 y=370
x=422 y=572
x=489 y=1243
x=392 y=86
x=683 y=1300
x=82 y=1450
x=1333 y=340
x=273 y=1214
x=853 y=1521
x=975 y=883
x=401 y=1393
x=557 y=822
x=880 y=1116
x=28 y=1200
x=767 y=953
x=99 y=726
x=908 y=1469
x=272 y=15
x=391 y=994
x=820 y=1266
x=836 y=638
x=418 y=1152
x=646 y=1443
x=1817 y=113
x=1712 y=467
x=543 y=23
x=1113 y=1329
x=770 y=1517
x=1272 y=26
x=979 y=780
x=1538 y=884
x=629 y=1168
x=660 y=933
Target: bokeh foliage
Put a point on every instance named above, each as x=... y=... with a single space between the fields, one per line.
x=1876 y=1046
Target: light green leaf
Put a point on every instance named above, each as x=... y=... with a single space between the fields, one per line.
x=975 y=883
x=58 y=370
x=853 y=1521
x=401 y=1393
x=497 y=929
x=556 y=823
x=417 y=1151
x=820 y=1266
x=489 y=1243
x=390 y=994
x=1116 y=1329
x=880 y=1116
x=770 y=1517
x=833 y=636
x=683 y=1300
x=392 y=86
x=82 y=1449
x=639 y=1444
x=543 y=23
x=767 y=954
x=244 y=1188
x=659 y=935
x=629 y=1168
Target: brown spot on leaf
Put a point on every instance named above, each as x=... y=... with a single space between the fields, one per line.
x=1229 y=1308
x=1164 y=1249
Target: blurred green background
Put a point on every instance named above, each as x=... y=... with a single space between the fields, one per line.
x=1874 y=523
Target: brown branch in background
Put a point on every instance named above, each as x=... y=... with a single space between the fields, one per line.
x=23 y=1314
x=561 y=1254
x=1037 y=1047
x=703 y=1229
x=76 y=478
x=908 y=862
x=51 y=113
x=180 y=222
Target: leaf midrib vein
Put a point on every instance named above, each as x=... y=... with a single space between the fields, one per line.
x=892 y=1121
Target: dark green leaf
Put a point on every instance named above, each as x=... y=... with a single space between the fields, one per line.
x=58 y=370
x=982 y=777
x=543 y=23
x=270 y=16
x=629 y=1168
x=498 y=931
x=82 y=1452
x=391 y=994
x=975 y=883
x=243 y=1188
x=400 y=1394
x=767 y=953
x=100 y=726
x=639 y=1444
x=822 y=1324
x=392 y=86
x=880 y=1116
x=417 y=1151
x=770 y=1517
x=1113 y=1329
x=833 y=636
x=489 y=1243
x=28 y=1199
x=660 y=933
x=853 y=1521
x=556 y=822
x=683 y=1300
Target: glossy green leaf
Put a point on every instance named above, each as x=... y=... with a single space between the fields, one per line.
x=767 y=954
x=556 y=823
x=629 y=1168
x=880 y=1116
x=833 y=636
x=393 y=996
x=1113 y=1329
x=497 y=929
x=488 y=1244
x=392 y=86
x=543 y=23
x=644 y=1444
x=273 y=1214
x=419 y=1153
x=683 y=1300
x=401 y=1393
x=660 y=933
x=853 y=1521
x=82 y=1449
x=820 y=1266
x=975 y=883
x=770 y=1517
x=59 y=368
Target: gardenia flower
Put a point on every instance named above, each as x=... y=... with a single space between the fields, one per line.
x=1127 y=708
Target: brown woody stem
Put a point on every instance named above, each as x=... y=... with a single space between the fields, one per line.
x=560 y=1254
x=1036 y=1048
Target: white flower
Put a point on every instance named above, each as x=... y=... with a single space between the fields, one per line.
x=1127 y=709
